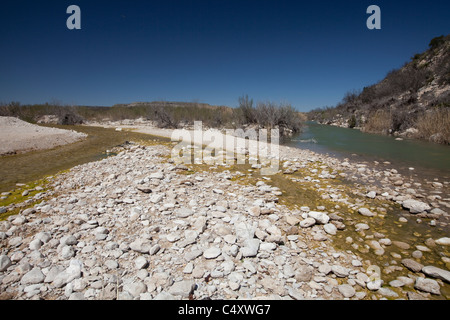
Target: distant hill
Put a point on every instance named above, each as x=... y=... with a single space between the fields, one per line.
x=413 y=101
x=167 y=104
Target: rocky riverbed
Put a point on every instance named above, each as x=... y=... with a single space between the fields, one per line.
x=139 y=226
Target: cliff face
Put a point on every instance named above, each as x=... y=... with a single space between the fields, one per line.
x=413 y=101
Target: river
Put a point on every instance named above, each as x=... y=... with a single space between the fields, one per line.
x=428 y=160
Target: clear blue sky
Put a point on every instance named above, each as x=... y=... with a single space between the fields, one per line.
x=307 y=53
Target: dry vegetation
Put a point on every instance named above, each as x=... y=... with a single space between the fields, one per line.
x=169 y=114
x=435 y=125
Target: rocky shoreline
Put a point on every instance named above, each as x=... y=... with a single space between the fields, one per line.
x=138 y=226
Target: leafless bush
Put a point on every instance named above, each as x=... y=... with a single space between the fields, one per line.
x=163 y=118
x=11 y=109
x=67 y=115
x=245 y=113
x=269 y=115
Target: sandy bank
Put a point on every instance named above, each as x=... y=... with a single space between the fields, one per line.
x=18 y=136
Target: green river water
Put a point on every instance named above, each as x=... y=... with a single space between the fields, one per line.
x=428 y=159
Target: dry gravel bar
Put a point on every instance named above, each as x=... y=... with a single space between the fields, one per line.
x=139 y=226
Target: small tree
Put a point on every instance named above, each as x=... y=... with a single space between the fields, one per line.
x=352 y=122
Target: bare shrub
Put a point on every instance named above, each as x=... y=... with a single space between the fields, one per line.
x=11 y=109
x=245 y=113
x=269 y=115
x=266 y=114
x=164 y=119
x=67 y=115
x=289 y=119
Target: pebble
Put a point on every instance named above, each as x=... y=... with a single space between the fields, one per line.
x=406 y=280
x=387 y=292
x=325 y=268
x=427 y=285
x=330 y=228
x=445 y=241
x=362 y=226
x=396 y=283
x=135 y=288
x=366 y=212
x=212 y=253
x=371 y=194
x=437 y=273
x=415 y=206
x=5 y=262
x=141 y=262
x=68 y=240
x=251 y=248
x=401 y=245
x=412 y=265
x=356 y=263
x=184 y=212
x=374 y=285
x=340 y=271
x=308 y=222
x=154 y=249
x=71 y=273
x=182 y=288
x=346 y=290
x=34 y=276
x=320 y=217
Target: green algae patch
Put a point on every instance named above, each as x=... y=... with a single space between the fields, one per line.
x=23 y=197
x=23 y=193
